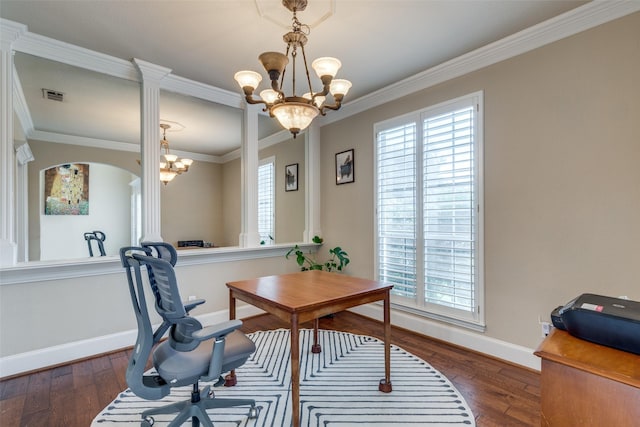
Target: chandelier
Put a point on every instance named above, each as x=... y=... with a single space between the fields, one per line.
x=294 y=112
x=172 y=165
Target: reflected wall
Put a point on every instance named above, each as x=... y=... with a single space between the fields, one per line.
x=110 y=207
x=289 y=205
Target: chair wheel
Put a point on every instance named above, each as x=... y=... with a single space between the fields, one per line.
x=253 y=413
x=147 y=422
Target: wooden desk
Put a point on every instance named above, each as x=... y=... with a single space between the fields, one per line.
x=309 y=295
x=586 y=384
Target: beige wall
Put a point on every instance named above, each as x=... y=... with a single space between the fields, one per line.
x=231 y=202
x=562 y=176
x=192 y=205
x=43 y=314
x=289 y=204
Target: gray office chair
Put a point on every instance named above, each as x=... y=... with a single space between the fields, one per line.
x=190 y=353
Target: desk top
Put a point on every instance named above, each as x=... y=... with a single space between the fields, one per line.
x=618 y=365
x=308 y=290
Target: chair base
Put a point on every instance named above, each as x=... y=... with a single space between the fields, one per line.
x=196 y=408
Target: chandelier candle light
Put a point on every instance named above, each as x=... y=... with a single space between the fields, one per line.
x=172 y=165
x=294 y=112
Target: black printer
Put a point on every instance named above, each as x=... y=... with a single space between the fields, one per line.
x=609 y=321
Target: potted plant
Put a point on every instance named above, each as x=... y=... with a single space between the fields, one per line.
x=338 y=258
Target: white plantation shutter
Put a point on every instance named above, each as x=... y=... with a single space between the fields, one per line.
x=449 y=209
x=428 y=191
x=397 y=208
x=266 y=200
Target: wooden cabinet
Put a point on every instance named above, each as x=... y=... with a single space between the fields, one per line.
x=586 y=384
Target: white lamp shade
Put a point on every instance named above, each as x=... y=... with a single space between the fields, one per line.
x=318 y=101
x=248 y=78
x=269 y=96
x=326 y=66
x=170 y=157
x=340 y=87
x=166 y=175
x=179 y=165
x=187 y=162
x=295 y=116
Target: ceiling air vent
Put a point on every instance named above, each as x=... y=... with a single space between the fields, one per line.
x=53 y=95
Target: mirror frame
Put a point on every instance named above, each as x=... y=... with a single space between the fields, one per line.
x=152 y=78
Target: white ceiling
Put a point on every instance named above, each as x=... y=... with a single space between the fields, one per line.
x=378 y=41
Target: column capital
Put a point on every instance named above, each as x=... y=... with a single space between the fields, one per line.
x=151 y=73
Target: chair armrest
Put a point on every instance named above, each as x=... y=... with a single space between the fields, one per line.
x=217 y=331
x=190 y=305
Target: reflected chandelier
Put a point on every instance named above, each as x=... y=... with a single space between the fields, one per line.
x=172 y=165
x=294 y=112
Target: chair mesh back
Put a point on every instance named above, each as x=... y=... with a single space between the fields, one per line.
x=169 y=304
x=147 y=387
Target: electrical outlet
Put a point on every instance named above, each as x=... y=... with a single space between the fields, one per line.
x=192 y=298
x=545 y=328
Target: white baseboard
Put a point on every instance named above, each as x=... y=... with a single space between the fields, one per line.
x=512 y=353
x=65 y=353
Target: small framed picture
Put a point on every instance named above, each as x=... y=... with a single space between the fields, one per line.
x=291 y=177
x=345 y=167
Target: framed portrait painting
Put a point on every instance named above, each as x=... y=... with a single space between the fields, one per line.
x=66 y=189
x=345 y=167
x=291 y=177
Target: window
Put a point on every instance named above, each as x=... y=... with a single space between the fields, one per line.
x=266 y=200
x=429 y=210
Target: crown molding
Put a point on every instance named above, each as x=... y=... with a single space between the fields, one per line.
x=562 y=26
x=55 y=50
x=10 y=32
x=82 y=141
x=196 y=89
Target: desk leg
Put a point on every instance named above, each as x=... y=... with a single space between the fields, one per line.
x=316 y=348
x=231 y=380
x=385 y=384
x=295 y=372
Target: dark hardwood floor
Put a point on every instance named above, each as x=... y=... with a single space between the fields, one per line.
x=499 y=394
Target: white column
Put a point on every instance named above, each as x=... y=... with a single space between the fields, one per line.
x=9 y=33
x=150 y=75
x=312 y=180
x=249 y=236
x=23 y=157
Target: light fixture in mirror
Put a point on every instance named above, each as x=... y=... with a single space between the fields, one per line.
x=172 y=165
x=194 y=206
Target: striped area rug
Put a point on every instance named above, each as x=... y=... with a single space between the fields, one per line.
x=338 y=387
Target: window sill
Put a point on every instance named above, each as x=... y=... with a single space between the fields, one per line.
x=456 y=321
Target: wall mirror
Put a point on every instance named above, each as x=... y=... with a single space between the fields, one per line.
x=71 y=115
x=204 y=203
